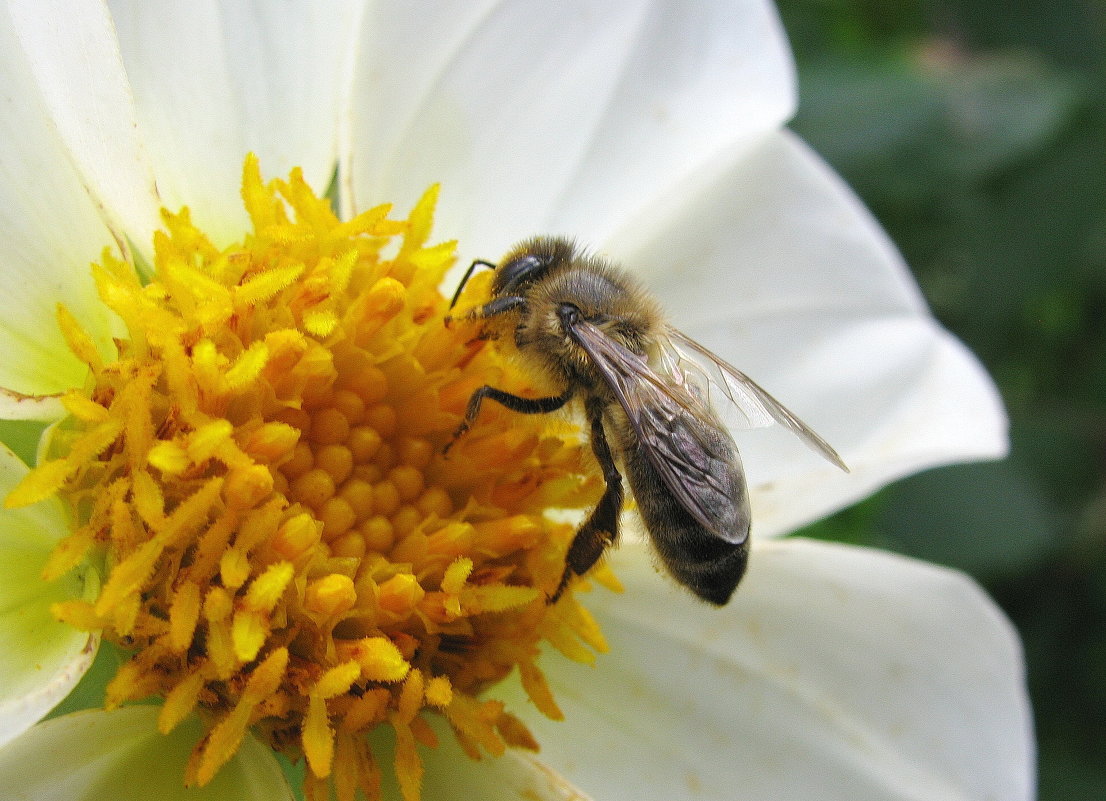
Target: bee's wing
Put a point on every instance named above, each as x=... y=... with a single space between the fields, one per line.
x=678 y=433
x=752 y=400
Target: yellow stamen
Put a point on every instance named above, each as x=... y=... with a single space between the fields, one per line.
x=261 y=470
x=78 y=340
x=180 y=701
x=225 y=737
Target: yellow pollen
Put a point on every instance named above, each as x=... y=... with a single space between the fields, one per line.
x=261 y=470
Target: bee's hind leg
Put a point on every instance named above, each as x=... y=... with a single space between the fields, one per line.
x=600 y=530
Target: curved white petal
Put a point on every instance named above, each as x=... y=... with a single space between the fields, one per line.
x=770 y=261
x=105 y=756
x=17 y=406
x=450 y=773
x=214 y=80
x=72 y=51
x=537 y=115
x=41 y=660
x=835 y=673
x=49 y=232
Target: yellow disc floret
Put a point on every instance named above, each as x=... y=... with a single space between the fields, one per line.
x=260 y=474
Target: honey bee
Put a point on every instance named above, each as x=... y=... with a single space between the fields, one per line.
x=589 y=327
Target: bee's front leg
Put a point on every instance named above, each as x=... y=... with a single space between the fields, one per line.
x=503 y=305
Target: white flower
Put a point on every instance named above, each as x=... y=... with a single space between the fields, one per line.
x=652 y=131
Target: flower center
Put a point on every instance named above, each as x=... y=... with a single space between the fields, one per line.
x=259 y=474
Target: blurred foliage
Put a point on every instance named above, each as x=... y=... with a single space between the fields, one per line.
x=976 y=132
x=22 y=437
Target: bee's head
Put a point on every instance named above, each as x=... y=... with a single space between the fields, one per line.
x=530 y=261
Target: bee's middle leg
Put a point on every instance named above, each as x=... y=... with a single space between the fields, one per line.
x=516 y=403
x=600 y=530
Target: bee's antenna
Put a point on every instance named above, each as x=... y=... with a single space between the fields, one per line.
x=468 y=274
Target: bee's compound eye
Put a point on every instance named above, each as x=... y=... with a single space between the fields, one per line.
x=516 y=272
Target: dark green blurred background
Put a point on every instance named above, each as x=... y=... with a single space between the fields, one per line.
x=976 y=132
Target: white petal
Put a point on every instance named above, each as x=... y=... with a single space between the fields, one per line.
x=17 y=406
x=49 y=232
x=835 y=673
x=105 y=756
x=41 y=660
x=770 y=261
x=536 y=115
x=450 y=773
x=214 y=80
x=72 y=51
